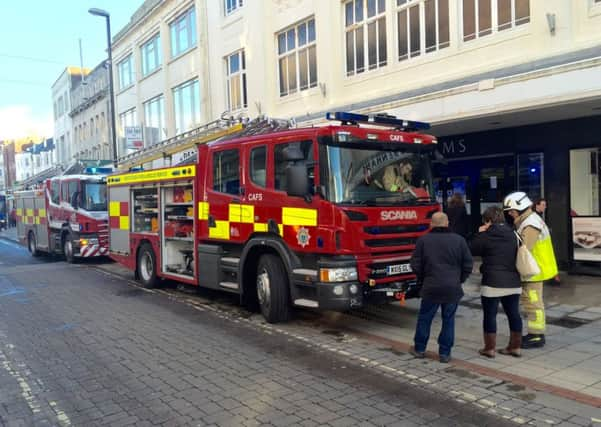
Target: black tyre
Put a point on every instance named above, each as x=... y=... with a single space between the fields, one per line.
x=68 y=248
x=146 y=267
x=32 y=245
x=273 y=290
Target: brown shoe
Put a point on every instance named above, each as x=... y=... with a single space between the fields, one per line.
x=514 y=346
x=490 y=343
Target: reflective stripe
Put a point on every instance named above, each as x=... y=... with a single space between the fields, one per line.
x=203 y=210
x=42 y=213
x=29 y=212
x=242 y=213
x=260 y=227
x=539 y=322
x=114 y=208
x=533 y=296
x=220 y=231
x=299 y=216
x=124 y=223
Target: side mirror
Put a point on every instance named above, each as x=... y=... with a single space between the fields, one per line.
x=75 y=200
x=297 y=180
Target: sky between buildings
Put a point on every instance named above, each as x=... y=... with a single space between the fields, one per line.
x=39 y=38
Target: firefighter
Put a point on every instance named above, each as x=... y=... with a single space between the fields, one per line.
x=536 y=237
x=398 y=177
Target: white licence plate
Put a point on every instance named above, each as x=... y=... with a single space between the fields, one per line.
x=398 y=269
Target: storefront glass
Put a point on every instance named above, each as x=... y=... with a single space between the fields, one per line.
x=585 y=204
x=530 y=174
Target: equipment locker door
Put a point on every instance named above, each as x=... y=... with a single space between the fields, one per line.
x=119 y=200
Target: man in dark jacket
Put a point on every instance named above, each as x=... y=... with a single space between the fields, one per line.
x=442 y=262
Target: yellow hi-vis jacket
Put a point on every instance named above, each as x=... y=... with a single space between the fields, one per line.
x=542 y=251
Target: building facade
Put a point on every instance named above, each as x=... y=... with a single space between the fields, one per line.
x=61 y=102
x=511 y=87
x=89 y=115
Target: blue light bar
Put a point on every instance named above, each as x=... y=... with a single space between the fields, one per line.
x=97 y=171
x=377 y=119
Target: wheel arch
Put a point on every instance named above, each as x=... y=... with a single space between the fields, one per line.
x=249 y=260
x=140 y=244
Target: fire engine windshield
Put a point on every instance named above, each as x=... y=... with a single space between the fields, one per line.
x=94 y=196
x=376 y=177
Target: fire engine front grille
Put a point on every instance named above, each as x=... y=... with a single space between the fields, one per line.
x=382 y=243
x=395 y=229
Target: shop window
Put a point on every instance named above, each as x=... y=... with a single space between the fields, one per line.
x=530 y=174
x=584 y=182
x=258 y=166
x=226 y=172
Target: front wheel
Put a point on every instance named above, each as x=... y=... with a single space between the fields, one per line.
x=68 y=248
x=272 y=289
x=146 y=266
x=32 y=245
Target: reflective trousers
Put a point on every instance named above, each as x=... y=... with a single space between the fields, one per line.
x=533 y=306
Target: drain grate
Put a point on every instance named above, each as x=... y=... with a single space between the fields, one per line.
x=567 y=322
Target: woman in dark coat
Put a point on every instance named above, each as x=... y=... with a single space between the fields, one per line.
x=497 y=244
x=458 y=219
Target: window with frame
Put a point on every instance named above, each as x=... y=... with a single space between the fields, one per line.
x=280 y=162
x=258 y=166
x=226 y=172
x=297 y=58
x=55 y=192
x=186 y=102
x=183 y=32
x=154 y=120
x=423 y=27
x=365 y=22
x=126 y=72
x=231 y=6
x=151 y=55
x=482 y=17
x=236 y=81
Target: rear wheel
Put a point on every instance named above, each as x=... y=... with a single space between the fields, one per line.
x=146 y=265
x=272 y=289
x=32 y=245
x=68 y=248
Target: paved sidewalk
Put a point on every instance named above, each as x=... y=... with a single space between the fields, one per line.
x=570 y=362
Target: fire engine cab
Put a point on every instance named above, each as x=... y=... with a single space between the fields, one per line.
x=67 y=215
x=321 y=217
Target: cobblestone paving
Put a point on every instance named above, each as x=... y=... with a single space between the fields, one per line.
x=81 y=348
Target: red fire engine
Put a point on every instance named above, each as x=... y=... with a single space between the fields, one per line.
x=322 y=217
x=67 y=215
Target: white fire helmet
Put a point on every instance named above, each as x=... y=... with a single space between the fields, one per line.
x=518 y=201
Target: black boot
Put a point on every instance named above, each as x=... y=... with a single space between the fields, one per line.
x=533 y=341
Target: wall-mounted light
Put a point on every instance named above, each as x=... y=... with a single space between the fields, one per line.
x=551 y=23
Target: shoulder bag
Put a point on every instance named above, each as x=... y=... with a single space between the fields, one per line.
x=525 y=262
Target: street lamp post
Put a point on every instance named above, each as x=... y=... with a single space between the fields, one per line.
x=105 y=14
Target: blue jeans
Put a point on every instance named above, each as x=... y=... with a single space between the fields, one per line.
x=427 y=311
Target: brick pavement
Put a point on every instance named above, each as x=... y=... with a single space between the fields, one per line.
x=78 y=347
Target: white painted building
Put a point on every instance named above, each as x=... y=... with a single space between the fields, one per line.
x=90 y=116
x=61 y=102
x=512 y=87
